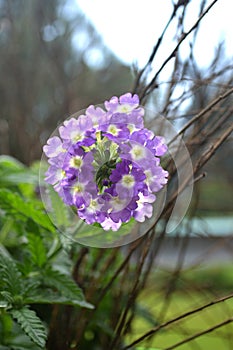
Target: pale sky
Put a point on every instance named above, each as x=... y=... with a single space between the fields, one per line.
x=130 y=28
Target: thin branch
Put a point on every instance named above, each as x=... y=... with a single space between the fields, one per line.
x=148 y=89
x=132 y=296
x=202 y=112
x=196 y=335
x=200 y=177
x=207 y=155
x=186 y=314
x=154 y=51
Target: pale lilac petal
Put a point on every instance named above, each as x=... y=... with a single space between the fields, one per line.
x=107 y=164
x=109 y=224
x=53 y=147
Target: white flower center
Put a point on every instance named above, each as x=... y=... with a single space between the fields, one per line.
x=60 y=174
x=128 y=181
x=137 y=152
x=131 y=128
x=76 y=162
x=117 y=204
x=76 y=136
x=78 y=188
x=93 y=206
x=125 y=108
x=112 y=129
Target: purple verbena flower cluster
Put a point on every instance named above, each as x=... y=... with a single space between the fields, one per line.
x=106 y=164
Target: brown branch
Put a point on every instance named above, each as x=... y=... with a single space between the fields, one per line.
x=132 y=296
x=148 y=89
x=199 y=177
x=196 y=335
x=120 y=268
x=154 y=51
x=215 y=125
x=165 y=324
x=202 y=112
x=212 y=149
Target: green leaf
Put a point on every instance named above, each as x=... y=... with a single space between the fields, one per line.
x=17 y=178
x=31 y=324
x=3 y=303
x=30 y=288
x=20 y=341
x=5 y=230
x=44 y=297
x=59 y=213
x=14 y=204
x=6 y=299
x=12 y=172
x=2 y=347
x=11 y=279
x=37 y=250
x=8 y=162
x=66 y=286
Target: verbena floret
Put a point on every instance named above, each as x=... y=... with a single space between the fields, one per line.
x=106 y=164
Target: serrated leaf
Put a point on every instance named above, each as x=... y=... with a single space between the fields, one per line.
x=37 y=250
x=30 y=288
x=22 y=342
x=7 y=298
x=3 y=303
x=10 y=276
x=14 y=204
x=66 y=287
x=31 y=325
x=54 y=298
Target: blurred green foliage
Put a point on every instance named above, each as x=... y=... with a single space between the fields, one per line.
x=30 y=252
x=39 y=284
x=194 y=289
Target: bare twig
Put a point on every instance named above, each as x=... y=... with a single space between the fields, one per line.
x=212 y=149
x=202 y=112
x=133 y=294
x=155 y=49
x=168 y=323
x=196 y=335
x=149 y=88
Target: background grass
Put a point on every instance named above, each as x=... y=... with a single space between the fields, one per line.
x=195 y=288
